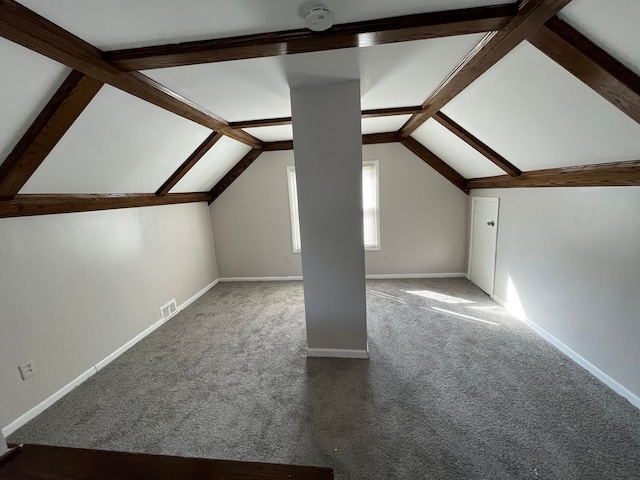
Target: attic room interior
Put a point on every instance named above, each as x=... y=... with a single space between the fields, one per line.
x=465 y=179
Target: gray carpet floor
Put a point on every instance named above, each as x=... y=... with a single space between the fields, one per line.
x=455 y=388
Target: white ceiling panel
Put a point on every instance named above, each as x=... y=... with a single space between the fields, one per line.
x=212 y=166
x=119 y=144
x=28 y=82
x=383 y=124
x=125 y=23
x=394 y=75
x=613 y=26
x=237 y=90
x=273 y=133
x=404 y=74
x=459 y=155
x=537 y=115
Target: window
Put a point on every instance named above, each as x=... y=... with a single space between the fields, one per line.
x=293 y=208
x=370 y=206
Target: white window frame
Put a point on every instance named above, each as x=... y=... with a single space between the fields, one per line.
x=376 y=179
x=293 y=207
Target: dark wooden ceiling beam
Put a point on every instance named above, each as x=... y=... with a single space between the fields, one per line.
x=389 y=112
x=591 y=64
x=27 y=28
x=234 y=173
x=435 y=162
x=189 y=163
x=29 y=205
x=242 y=165
x=48 y=128
x=277 y=145
x=376 y=138
x=373 y=113
x=367 y=139
x=358 y=34
x=600 y=175
x=263 y=122
x=532 y=14
x=481 y=147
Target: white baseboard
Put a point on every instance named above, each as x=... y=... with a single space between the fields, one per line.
x=380 y=276
x=591 y=368
x=261 y=279
x=391 y=276
x=106 y=361
x=198 y=295
x=337 y=353
x=110 y=358
x=42 y=406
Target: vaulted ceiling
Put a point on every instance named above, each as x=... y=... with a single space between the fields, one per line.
x=132 y=103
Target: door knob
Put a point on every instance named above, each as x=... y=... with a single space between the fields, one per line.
x=491 y=223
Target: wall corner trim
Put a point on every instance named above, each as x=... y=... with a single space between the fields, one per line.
x=591 y=368
x=337 y=353
x=42 y=406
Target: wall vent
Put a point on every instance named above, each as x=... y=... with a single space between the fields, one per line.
x=168 y=309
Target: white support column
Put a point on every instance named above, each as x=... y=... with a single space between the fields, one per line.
x=327 y=142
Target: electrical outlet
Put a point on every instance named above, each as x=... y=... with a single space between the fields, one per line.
x=287 y=258
x=386 y=255
x=27 y=369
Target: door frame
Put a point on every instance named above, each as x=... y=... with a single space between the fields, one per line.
x=495 y=200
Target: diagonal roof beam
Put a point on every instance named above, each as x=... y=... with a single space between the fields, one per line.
x=234 y=173
x=358 y=34
x=28 y=205
x=435 y=162
x=189 y=163
x=591 y=64
x=481 y=147
x=373 y=113
x=600 y=175
x=532 y=15
x=27 y=28
x=48 y=128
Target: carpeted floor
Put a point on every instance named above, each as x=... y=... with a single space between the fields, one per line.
x=442 y=396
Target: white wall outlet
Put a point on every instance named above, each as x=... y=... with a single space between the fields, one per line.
x=386 y=255
x=27 y=369
x=287 y=258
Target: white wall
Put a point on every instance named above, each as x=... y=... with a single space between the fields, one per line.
x=423 y=219
x=569 y=260
x=76 y=287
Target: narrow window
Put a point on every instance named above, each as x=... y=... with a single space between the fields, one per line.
x=370 y=206
x=293 y=208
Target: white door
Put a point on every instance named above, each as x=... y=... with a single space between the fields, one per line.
x=484 y=235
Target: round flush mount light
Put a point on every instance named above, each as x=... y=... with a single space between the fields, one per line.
x=319 y=19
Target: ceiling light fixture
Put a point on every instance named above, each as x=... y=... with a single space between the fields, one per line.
x=319 y=19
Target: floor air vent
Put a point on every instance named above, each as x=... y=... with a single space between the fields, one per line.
x=168 y=309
